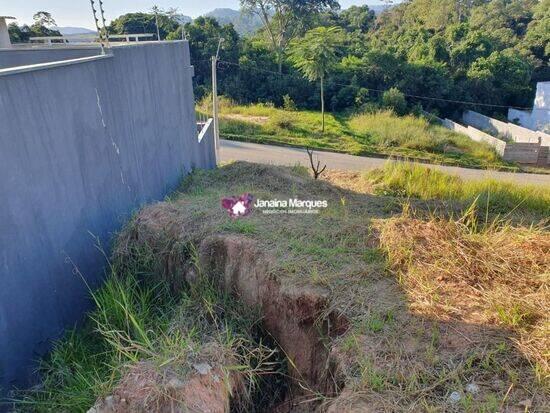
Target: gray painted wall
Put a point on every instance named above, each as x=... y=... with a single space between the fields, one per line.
x=82 y=146
x=22 y=57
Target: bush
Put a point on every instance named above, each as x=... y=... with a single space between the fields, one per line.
x=361 y=97
x=288 y=103
x=394 y=99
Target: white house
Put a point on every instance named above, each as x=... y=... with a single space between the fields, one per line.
x=539 y=117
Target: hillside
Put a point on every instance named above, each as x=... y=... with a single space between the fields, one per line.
x=243 y=23
x=70 y=31
x=247 y=24
x=376 y=132
x=379 y=8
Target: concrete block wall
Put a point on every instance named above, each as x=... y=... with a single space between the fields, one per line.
x=526 y=153
x=82 y=146
x=457 y=127
x=508 y=130
x=480 y=136
x=521 y=152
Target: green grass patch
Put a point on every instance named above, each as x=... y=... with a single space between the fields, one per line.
x=418 y=181
x=370 y=133
x=239 y=226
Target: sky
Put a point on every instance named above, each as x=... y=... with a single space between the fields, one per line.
x=78 y=12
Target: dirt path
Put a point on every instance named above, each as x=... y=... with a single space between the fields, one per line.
x=280 y=155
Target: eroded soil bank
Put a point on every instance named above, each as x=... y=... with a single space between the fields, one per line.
x=375 y=304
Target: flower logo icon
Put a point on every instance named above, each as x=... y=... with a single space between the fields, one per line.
x=238 y=206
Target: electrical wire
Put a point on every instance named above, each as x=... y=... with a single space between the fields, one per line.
x=462 y=102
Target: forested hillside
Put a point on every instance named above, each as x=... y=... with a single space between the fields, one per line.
x=476 y=50
x=437 y=53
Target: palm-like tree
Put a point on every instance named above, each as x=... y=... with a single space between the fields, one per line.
x=315 y=55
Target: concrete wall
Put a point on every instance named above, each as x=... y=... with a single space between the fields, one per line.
x=480 y=136
x=526 y=153
x=457 y=127
x=476 y=135
x=521 y=134
x=508 y=130
x=538 y=118
x=82 y=146
x=40 y=54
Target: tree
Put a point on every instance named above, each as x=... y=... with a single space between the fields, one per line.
x=283 y=20
x=394 y=99
x=315 y=56
x=156 y=11
x=537 y=38
x=144 y=23
x=503 y=77
x=203 y=35
x=43 y=21
x=19 y=34
x=358 y=18
x=43 y=18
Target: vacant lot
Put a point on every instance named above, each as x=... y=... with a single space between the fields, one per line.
x=379 y=132
x=389 y=299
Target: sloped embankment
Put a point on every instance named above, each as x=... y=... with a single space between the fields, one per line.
x=351 y=335
x=362 y=307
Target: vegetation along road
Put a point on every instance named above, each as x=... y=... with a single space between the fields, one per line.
x=279 y=155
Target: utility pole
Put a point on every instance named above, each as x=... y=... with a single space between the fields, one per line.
x=156 y=9
x=215 y=99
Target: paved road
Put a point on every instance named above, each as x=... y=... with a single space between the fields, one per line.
x=281 y=155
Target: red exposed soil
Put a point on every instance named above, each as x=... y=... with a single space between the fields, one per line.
x=294 y=316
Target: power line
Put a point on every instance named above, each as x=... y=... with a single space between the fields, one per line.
x=463 y=102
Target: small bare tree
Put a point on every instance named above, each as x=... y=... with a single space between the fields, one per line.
x=316 y=169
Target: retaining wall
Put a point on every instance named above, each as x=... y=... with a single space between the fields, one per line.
x=83 y=145
x=480 y=136
x=527 y=153
x=521 y=152
x=508 y=130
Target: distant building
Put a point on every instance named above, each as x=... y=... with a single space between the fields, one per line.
x=538 y=118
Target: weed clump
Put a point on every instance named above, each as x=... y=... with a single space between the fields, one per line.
x=143 y=343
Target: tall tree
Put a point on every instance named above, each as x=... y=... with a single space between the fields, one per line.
x=203 y=35
x=315 y=56
x=43 y=18
x=283 y=20
x=42 y=27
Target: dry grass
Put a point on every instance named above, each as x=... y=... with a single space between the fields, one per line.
x=496 y=275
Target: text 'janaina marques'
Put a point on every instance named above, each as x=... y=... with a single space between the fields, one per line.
x=290 y=203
